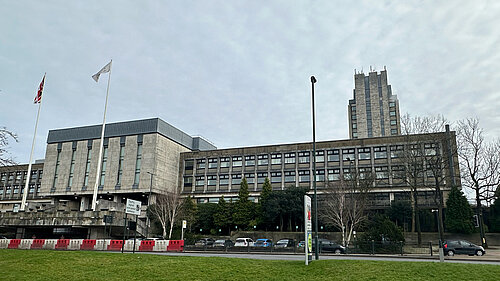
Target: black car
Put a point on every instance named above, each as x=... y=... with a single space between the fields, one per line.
x=457 y=247
x=328 y=246
x=223 y=243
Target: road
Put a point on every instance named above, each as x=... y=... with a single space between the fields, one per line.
x=293 y=257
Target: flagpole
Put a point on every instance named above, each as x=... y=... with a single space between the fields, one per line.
x=99 y=161
x=26 y=185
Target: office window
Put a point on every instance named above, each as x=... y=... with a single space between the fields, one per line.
x=200 y=163
x=364 y=172
x=354 y=125
x=250 y=160
x=224 y=162
x=333 y=155
x=276 y=159
x=188 y=181
x=223 y=179
x=250 y=177
x=56 y=169
x=381 y=172
x=31 y=189
x=263 y=159
x=211 y=180
x=347 y=173
x=396 y=151
x=380 y=152
x=394 y=122
x=71 y=168
x=212 y=163
x=237 y=161
x=261 y=177
x=364 y=153
x=394 y=131
x=303 y=157
x=8 y=190
x=236 y=179
x=430 y=149
x=333 y=174
x=290 y=176
x=275 y=177
x=320 y=175
x=353 y=116
x=3 y=178
x=290 y=158
x=320 y=156
x=348 y=154
x=392 y=104
x=392 y=113
x=16 y=189
x=104 y=163
x=138 y=163
x=188 y=165
x=304 y=176
x=19 y=175
x=120 y=165
x=200 y=181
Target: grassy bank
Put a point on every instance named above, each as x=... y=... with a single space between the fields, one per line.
x=80 y=265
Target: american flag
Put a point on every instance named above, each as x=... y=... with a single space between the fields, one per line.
x=38 y=97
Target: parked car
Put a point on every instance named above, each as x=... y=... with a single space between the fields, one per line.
x=264 y=242
x=243 y=242
x=205 y=242
x=285 y=243
x=452 y=247
x=301 y=244
x=223 y=243
x=329 y=246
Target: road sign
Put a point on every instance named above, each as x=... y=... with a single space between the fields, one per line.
x=133 y=207
x=308 y=228
x=184 y=224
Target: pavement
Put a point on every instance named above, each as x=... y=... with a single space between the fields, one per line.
x=492 y=256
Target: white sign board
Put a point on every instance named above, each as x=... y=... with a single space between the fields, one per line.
x=133 y=207
x=308 y=228
x=184 y=224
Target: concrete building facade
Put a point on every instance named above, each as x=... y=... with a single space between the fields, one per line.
x=374 y=110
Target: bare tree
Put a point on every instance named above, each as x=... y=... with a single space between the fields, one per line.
x=424 y=163
x=166 y=209
x=480 y=165
x=5 y=136
x=346 y=201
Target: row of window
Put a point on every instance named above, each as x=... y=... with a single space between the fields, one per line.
x=381 y=172
x=15 y=190
x=16 y=177
x=348 y=154
x=104 y=163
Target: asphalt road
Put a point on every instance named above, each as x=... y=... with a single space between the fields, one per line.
x=325 y=257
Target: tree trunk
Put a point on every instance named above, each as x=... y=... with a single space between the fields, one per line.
x=417 y=220
x=479 y=213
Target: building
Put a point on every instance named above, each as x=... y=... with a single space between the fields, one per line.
x=139 y=157
x=207 y=175
x=374 y=110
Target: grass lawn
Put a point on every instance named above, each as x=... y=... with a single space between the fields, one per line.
x=81 y=265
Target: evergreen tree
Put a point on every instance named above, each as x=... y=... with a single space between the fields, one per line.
x=266 y=190
x=458 y=213
x=243 y=208
x=223 y=216
x=189 y=212
x=495 y=216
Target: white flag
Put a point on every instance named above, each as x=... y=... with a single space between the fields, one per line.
x=105 y=69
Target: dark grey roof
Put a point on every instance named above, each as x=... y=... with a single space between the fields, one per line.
x=128 y=128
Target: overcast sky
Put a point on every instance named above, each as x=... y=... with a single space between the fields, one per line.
x=237 y=72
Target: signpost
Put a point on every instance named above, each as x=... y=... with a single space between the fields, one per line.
x=307 y=228
x=184 y=225
x=132 y=207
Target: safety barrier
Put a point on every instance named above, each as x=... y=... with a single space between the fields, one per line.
x=50 y=244
x=4 y=243
x=62 y=244
x=160 y=246
x=37 y=244
x=25 y=244
x=88 y=244
x=147 y=245
x=74 y=244
x=115 y=245
x=93 y=244
x=175 y=246
x=14 y=243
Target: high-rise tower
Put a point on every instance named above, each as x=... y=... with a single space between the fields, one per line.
x=374 y=110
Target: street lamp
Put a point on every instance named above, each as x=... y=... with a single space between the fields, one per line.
x=149 y=198
x=316 y=251
x=441 y=252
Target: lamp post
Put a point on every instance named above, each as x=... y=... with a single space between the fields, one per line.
x=149 y=198
x=441 y=251
x=316 y=251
